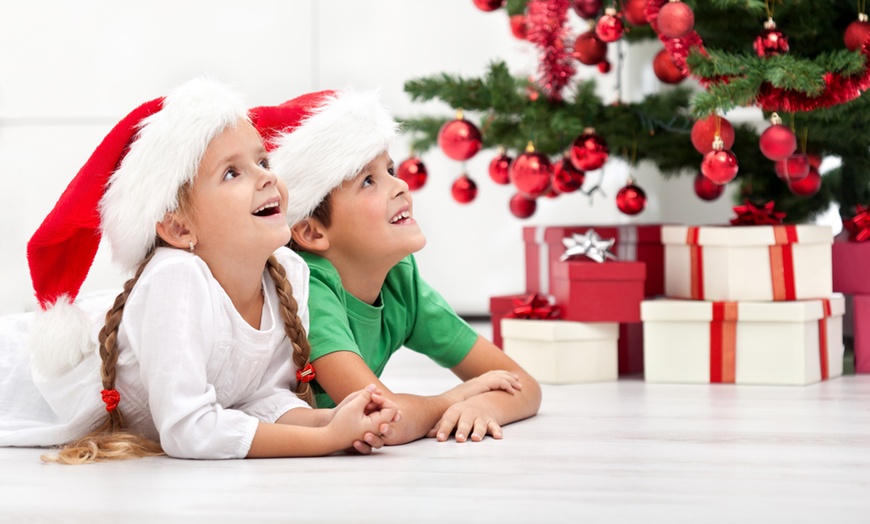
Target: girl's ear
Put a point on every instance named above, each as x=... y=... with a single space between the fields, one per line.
x=310 y=235
x=175 y=231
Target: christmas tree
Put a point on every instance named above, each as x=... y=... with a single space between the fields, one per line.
x=804 y=63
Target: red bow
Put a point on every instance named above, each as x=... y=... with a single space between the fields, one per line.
x=305 y=374
x=533 y=307
x=111 y=397
x=751 y=215
x=859 y=225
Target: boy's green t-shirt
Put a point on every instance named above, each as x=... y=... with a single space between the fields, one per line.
x=408 y=313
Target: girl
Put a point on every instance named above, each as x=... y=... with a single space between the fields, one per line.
x=200 y=355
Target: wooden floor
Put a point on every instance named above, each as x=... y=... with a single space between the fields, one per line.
x=613 y=452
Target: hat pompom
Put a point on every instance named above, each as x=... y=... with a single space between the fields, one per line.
x=59 y=339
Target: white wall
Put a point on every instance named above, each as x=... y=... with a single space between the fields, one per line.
x=71 y=70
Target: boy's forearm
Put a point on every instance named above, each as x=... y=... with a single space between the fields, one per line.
x=419 y=415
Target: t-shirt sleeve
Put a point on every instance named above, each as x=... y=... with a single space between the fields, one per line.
x=330 y=329
x=438 y=331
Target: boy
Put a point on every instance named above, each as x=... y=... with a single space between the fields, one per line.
x=352 y=221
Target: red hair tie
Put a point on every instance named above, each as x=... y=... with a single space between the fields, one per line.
x=305 y=374
x=111 y=397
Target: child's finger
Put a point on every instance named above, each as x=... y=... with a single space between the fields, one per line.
x=362 y=448
x=373 y=440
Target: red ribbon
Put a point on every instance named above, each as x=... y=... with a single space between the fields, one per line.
x=696 y=262
x=305 y=374
x=111 y=397
x=723 y=343
x=533 y=307
x=751 y=215
x=823 y=338
x=859 y=225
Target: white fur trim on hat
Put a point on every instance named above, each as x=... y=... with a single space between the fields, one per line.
x=164 y=155
x=59 y=339
x=333 y=144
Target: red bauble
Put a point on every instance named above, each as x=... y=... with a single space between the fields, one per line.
x=488 y=5
x=808 y=185
x=706 y=189
x=675 y=19
x=635 y=12
x=794 y=168
x=586 y=9
x=609 y=27
x=631 y=199
x=499 y=169
x=815 y=160
x=666 y=70
x=704 y=132
x=519 y=27
x=720 y=166
x=566 y=177
x=531 y=173
x=604 y=66
x=771 y=41
x=777 y=142
x=522 y=206
x=413 y=172
x=589 y=49
x=464 y=189
x=589 y=151
x=459 y=139
x=857 y=33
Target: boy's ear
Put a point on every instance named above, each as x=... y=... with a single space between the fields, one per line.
x=175 y=231
x=310 y=235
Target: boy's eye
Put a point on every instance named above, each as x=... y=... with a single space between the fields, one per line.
x=230 y=174
x=367 y=181
x=264 y=163
x=392 y=171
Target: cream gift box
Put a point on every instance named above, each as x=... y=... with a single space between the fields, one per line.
x=561 y=351
x=737 y=263
x=774 y=343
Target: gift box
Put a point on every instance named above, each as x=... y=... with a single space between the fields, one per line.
x=632 y=243
x=861 y=332
x=588 y=291
x=849 y=261
x=771 y=343
x=745 y=263
x=499 y=307
x=561 y=351
x=630 y=348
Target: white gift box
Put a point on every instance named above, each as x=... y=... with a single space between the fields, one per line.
x=737 y=263
x=561 y=351
x=774 y=343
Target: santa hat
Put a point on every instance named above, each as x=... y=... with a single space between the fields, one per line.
x=124 y=189
x=319 y=140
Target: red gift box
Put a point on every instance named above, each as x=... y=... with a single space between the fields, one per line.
x=599 y=292
x=848 y=262
x=861 y=330
x=499 y=307
x=630 y=348
x=641 y=243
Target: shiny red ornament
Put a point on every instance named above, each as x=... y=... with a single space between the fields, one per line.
x=777 y=141
x=586 y=9
x=464 y=189
x=814 y=159
x=808 y=185
x=635 y=12
x=522 y=206
x=519 y=26
x=704 y=132
x=589 y=151
x=604 y=67
x=857 y=33
x=413 y=172
x=675 y=19
x=631 y=199
x=706 y=189
x=609 y=27
x=771 y=41
x=589 y=49
x=531 y=173
x=666 y=70
x=793 y=168
x=748 y=214
x=566 y=177
x=488 y=5
x=499 y=168
x=720 y=166
x=459 y=139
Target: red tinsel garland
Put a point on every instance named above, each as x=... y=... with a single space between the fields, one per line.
x=839 y=89
x=546 y=29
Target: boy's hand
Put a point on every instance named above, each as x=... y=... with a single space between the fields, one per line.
x=469 y=421
x=489 y=381
x=365 y=414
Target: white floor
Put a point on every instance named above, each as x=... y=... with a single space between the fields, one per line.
x=613 y=452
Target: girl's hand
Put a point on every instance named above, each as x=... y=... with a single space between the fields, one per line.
x=362 y=418
x=489 y=381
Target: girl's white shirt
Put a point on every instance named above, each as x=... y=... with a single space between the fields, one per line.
x=191 y=372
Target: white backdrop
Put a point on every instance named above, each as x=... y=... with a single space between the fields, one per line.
x=70 y=70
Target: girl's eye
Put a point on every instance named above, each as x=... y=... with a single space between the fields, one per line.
x=230 y=174
x=367 y=181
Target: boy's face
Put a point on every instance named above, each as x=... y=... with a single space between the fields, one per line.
x=372 y=216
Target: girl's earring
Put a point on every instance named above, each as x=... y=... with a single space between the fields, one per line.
x=191 y=245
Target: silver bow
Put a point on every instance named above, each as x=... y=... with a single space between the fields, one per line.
x=588 y=244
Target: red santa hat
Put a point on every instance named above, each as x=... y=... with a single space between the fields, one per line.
x=124 y=189
x=319 y=140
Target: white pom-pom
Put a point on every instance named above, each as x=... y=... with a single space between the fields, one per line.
x=59 y=339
